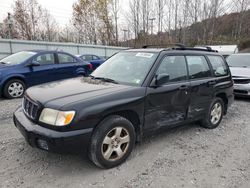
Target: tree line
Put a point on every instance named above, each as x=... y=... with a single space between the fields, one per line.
x=141 y=22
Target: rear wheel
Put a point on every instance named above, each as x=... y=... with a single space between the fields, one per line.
x=14 y=89
x=214 y=115
x=112 y=142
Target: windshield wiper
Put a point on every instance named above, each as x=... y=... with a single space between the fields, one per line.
x=2 y=62
x=104 y=79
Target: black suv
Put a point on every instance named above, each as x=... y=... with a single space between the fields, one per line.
x=134 y=93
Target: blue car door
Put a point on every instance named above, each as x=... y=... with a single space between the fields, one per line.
x=45 y=72
x=69 y=66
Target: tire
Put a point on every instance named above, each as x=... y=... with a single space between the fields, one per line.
x=105 y=155
x=14 y=89
x=210 y=121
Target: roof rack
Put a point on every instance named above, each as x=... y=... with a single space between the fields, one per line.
x=164 y=45
x=204 y=49
x=179 y=46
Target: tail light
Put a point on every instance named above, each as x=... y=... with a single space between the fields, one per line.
x=90 y=66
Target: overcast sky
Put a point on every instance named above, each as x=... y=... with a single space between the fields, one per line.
x=60 y=9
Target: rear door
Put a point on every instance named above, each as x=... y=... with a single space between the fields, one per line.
x=68 y=65
x=167 y=105
x=202 y=85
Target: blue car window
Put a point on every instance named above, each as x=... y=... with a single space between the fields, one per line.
x=87 y=57
x=18 y=57
x=95 y=57
x=45 y=59
x=65 y=58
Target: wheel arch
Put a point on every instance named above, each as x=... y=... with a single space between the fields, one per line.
x=16 y=77
x=133 y=117
x=223 y=96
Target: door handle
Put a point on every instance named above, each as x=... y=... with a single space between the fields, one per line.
x=183 y=87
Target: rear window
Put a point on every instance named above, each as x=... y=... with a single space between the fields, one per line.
x=219 y=65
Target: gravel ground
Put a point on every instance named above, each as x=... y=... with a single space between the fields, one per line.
x=187 y=156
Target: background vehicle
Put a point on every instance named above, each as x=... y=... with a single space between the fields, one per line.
x=134 y=93
x=95 y=60
x=240 y=68
x=224 y=50
x=27 y=68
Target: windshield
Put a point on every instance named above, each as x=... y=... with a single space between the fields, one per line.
x=239 y=60
x=127 y=67
x=17 y=58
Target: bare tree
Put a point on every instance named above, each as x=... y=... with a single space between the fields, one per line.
x=49 y=30
x=27 y=14
x=240 y=6
x=115 y=7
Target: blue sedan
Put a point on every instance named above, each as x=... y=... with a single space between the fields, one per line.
x=28 y=68
x=95 y=60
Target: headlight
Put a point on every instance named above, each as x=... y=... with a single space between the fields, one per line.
x=55 y=117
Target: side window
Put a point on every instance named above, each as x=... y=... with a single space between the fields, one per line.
x=87 y=57
x=175 y=67
x=198 y=67
x=45 y=59
x=219 y=65
x=65 y=58
x=95 y=57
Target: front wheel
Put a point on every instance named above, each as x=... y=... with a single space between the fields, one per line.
x=14 y=89
x=112 y=142
x=214 y=115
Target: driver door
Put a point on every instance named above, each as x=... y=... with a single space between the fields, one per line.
x=45 y=72
x=167 y=105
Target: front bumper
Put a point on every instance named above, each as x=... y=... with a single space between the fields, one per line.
x=50 y=140
x=242 y=90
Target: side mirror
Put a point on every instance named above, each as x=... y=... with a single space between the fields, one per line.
x=161 y=79
x=34 y=64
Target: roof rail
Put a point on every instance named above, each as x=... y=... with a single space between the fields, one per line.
x=165 y=45
x=205 y=49
x=179 y=46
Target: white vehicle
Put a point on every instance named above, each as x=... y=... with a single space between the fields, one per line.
x=224 y=50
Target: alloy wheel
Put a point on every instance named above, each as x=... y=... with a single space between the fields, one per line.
x=115 y=144
x=216 y=113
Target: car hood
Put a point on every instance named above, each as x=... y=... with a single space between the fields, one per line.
x=72 y=90
x=240 y=72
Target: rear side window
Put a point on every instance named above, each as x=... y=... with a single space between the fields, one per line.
x=65 y=58
x=175 y=67
x=219 y=65
x=45 y=59
x=95 y=57
x=198 y=67
x=87 y=57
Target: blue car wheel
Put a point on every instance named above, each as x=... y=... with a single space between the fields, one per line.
x=14 y=89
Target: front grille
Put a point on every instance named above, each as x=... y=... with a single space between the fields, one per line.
x=30 y=108
x=241 y=91
x=241 y=81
